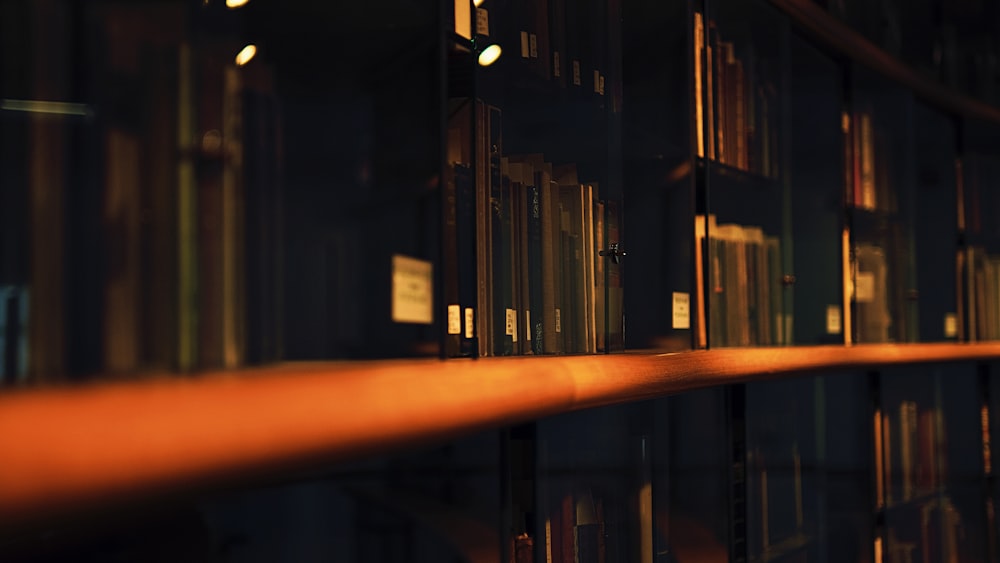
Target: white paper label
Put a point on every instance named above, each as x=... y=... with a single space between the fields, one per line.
x=833 y=322
x=527 y=324
x=558 y=320
x=509 y=329
x=576 y=73
x=412 y=290
x=864 y=287
x=555 y=64
x=950 y=325
x=525 y=51
x=454 y=319
x=682 y=310
x=482 y=22
x=470 y=322
x=533 y=45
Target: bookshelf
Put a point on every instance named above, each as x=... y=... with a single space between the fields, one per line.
x=747 y=285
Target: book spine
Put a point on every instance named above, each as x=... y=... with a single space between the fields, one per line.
x=504 y=319
x=466 y=248
x=449 y=260
x=536 y=289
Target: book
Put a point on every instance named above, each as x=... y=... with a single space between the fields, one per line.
x=502 y=273
x=907 y=448
x=484 y=178
x=699 y=104
x=870 y=295
x=518 y=256
x=545 y=270
x=459 y=235
x=578 y=263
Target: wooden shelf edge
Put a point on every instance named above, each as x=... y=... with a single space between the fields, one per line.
x=841 y=38
x=65 y=450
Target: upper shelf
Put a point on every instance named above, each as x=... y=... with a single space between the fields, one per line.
x=66 y=450
x=839 y=37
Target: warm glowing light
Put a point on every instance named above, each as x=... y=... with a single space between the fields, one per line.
x=236 y=3
x=246 y=55
x=489 y=55
x=477 y=3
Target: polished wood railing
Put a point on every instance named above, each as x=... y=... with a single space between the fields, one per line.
x=66 y=450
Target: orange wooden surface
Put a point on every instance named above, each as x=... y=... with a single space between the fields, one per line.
x=66 y=449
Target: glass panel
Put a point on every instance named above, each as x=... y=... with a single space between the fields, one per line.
x=933 y=467
x=883 y=296
x=936 y=225
x=548 y=177
x=784 y=457
x=199 y=187
x=816 y=171
x=702 y=477
x=980 y=266
x=661 y=300
x=742 y=237
x=594 y=486
x=809 y=493
x=845 y=450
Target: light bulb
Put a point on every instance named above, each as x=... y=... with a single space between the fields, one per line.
x=246 y=55
x=489 y=55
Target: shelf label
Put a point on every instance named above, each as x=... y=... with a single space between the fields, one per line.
x=950 y=325
x=470 y=322
x=682 y=310
x=864 y=287
x=525 y=51
x=833 y=320
x=454 y=319
x=412 y=290
x=482 y=22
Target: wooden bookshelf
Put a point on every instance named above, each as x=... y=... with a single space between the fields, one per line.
x=840 y=38
x=74 y=449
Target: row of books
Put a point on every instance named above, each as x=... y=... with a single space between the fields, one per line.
x=736 y=110
x=744 y=282
x=912 y=459
x=554 y=40
x=867 y=161
x=913 y=469
x=986 y=294
x=535 y=233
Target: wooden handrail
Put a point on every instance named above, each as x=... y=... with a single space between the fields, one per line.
x=63 y=450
